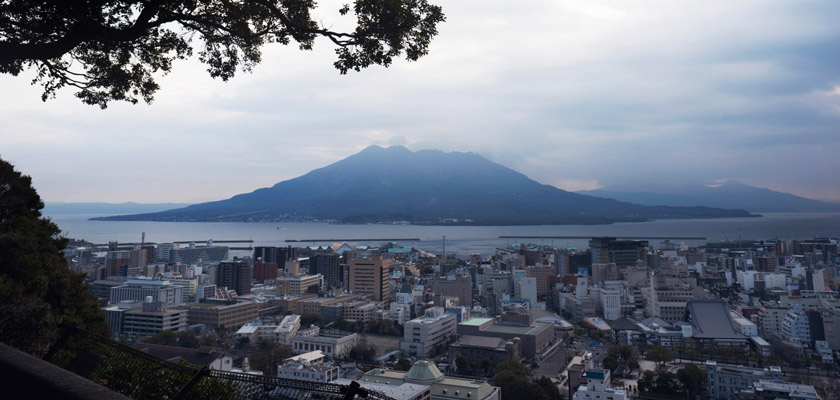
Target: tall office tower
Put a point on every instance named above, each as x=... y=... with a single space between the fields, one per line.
x=139 y=258
x=326 y=264
x=278 y=255
x=264 y=271
x=114 y=259
x=234 y=275
x=370 y=276
x=607 y=250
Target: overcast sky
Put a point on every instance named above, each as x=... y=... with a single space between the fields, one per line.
x=577 y=94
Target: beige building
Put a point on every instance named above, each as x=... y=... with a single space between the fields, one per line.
x=370 y=276
x=222 y=315
x=287 y=285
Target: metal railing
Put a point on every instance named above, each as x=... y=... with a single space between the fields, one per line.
x=139 y=375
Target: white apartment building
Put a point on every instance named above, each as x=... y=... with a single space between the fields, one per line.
x=610 y=303
x=400 y=312
x=795 y=326
x=287 y=329
x=597 y=387
x=745 y=326
x=433 y=330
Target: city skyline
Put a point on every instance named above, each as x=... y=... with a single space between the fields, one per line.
x=574 y=95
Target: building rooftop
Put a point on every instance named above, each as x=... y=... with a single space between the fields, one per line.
x=476 y=321
x=404 y=391
x=711 y=320
x=481 y=341
x=534 y=329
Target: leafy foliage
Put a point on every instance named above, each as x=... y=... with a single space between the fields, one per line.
x=692 y=379
x=689 y=380
x=402 y=365
x=38 y=292
x=362 y=351
x=184 y=339
x=514 y=378
x=659 y=355
x=311 y=319
x=268 y=355
x=111 y=49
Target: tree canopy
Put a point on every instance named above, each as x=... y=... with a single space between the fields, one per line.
x=514 y=379
x=38 y=292
x=110 y=49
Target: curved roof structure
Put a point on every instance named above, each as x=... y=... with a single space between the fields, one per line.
x=424 y=371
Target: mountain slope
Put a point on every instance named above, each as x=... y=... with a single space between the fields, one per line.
x=429 y=186
x=731 y=194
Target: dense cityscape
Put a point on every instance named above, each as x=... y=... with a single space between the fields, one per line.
x=622 y=319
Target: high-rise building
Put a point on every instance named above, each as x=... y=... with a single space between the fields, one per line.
x=277 y=255
x=370 y=276
x=326 y=264
x=457 y=285
x=264 y=271
x=234 y=275
x=607 y=250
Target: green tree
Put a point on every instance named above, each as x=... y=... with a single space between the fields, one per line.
x=38 y=292
x=659 y=355
x=111 y=49
x=311 y=319
x=692 y=379
x=402 y=365
x=188 y=339
x=611 y=363
x=166 y=337
x=549 y=388
x=461 y=364
x=485 y=366
x=514 y=378
x=268 y=355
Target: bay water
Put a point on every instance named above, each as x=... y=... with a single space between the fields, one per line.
x=461 y=240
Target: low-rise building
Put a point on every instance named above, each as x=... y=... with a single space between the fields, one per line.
x=426 y=374
x=597 y=387
x=536 y=337
x=778 y=390
x=724 y=381
x=222 y=315
x=154 y=317
x=299 y=284
x=482 y=354
x=333 y=343
x=287 y=329
x=312 y=366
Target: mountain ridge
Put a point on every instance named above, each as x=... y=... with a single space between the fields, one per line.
x=424 y=187
x=730 y=194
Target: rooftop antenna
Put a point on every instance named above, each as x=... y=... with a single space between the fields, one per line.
x=143 y=239
x=444 y=248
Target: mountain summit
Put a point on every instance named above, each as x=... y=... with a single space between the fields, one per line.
x=424 y=187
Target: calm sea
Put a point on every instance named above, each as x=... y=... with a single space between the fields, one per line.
x=459 y=239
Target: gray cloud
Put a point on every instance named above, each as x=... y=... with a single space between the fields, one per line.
x=576 y=94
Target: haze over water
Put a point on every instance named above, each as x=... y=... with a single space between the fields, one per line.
x=461 y=240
